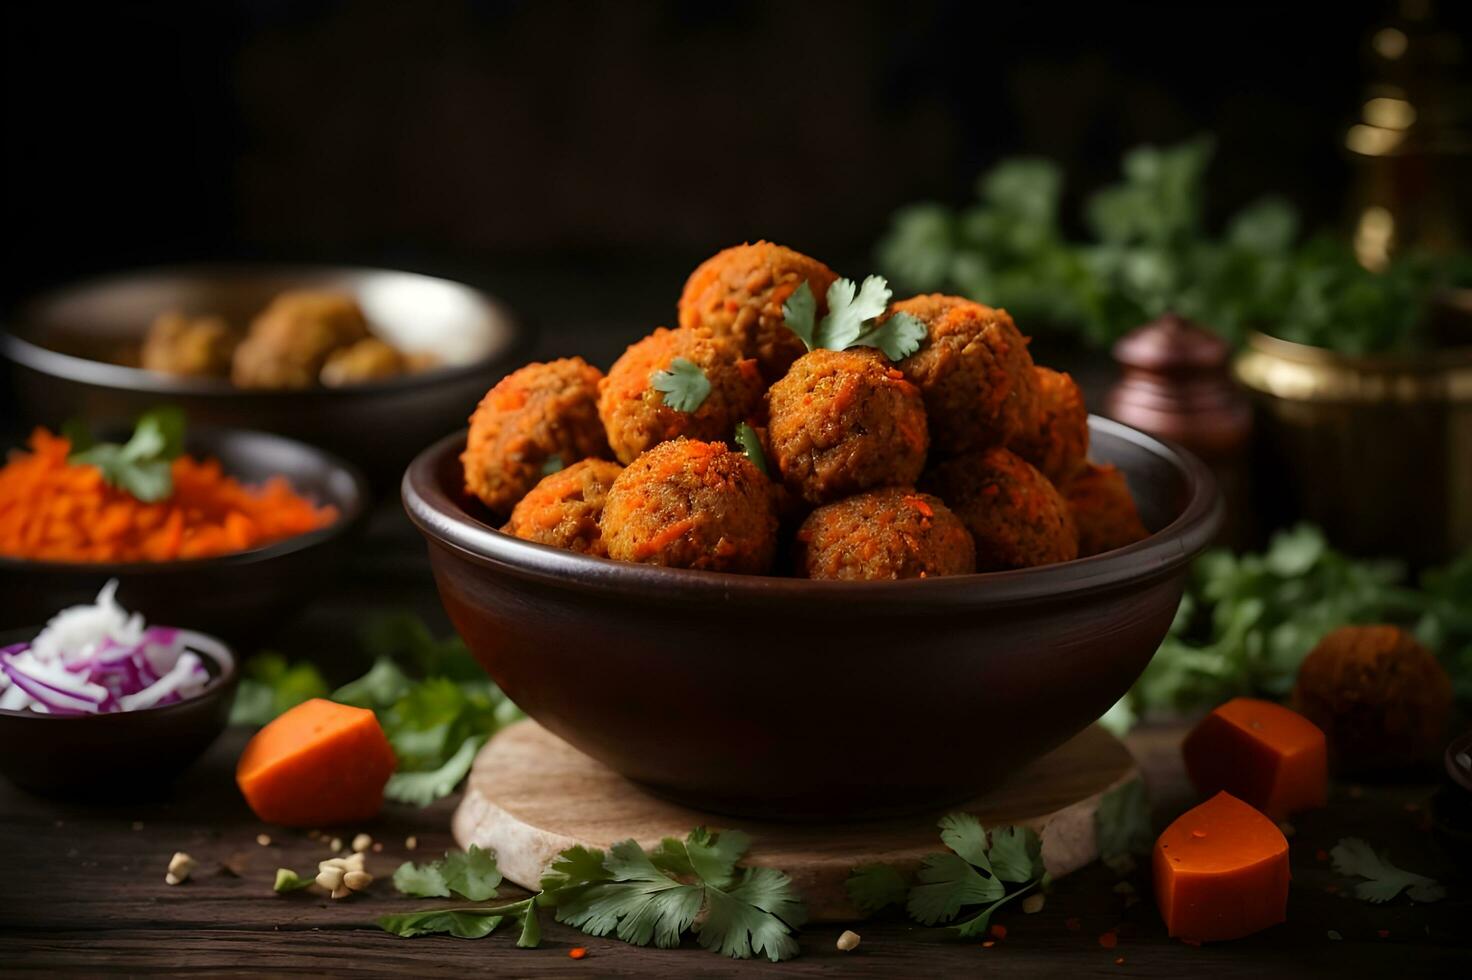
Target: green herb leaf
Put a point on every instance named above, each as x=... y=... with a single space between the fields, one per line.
x=684 y=385
x=288 y=880
x=1016 y=854
x=973 y=872
x=751 y=445
x=464 y=923
x=421 y=880
x=423 y=788
x=269 y=686
x=1352 y=856
x=553 y=464
x=576 y=867
x=872 y=887
x=849 y=308
x=78 y=434
x=753 y=918
x=800 y=314
x=383 y=685
x=1122 y=821
x=141 y=466
x=472 y=873
x=898 y=337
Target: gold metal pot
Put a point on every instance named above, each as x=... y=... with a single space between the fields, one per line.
x=1377 y=449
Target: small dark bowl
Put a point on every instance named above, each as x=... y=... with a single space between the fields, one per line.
x=240 y=596
x=779 y=697
x=64 y=345
x=122 y=755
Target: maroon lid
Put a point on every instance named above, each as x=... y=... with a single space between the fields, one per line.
x=1170 y=344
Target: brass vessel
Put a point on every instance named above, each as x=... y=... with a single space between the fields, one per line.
x=1376 y=449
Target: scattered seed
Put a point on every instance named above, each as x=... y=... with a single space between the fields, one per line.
x=357 y=880
x=848 y=940
x=361 y=843
x=263 y=839
x=341 y=892
x=1033 y=904
x=331 y=879
x=335 y=844
x=998 y=931
x=1109 y=939
x=577 y=952
x=1334 y=934
x=378 y=847
x=354 y=862
x=1119 y=961
x=988 y=944
x=412 y=842
x=180 y=865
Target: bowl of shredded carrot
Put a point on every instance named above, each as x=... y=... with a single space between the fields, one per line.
x=229 y=529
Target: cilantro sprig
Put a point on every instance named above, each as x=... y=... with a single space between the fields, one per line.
x=142 y=466
x=852 y=320
x=1384 y=881
x=656 y=897
x=683 y=384
x=471 y=874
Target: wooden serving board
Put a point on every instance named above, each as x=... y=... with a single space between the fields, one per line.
x=531 y=795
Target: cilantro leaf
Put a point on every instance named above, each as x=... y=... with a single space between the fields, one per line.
x=849 y=309
x=638 y=902
x=713 y=857
x=898 y=337
x=875 y=886
x=755 y=917
x=421 y=880
x=383 y=685
x=288 y=880
x=472 y=873
x=1122 y=821
x=270 y=685
x=800 y=314
x=947 y=883
x=683 y=383
x=1016 y=854
x=576 y=867
x=424 y=787
x=141 y=467
x=1352 y=856
x=979 y=924
x=973 y=872
x=751 y=445
x=464 y=923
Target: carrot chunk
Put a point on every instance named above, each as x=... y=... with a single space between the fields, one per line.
x=318 y=764
x=1221 y=872
x=1262 y=753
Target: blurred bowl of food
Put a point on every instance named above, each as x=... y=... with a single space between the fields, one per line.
x=178 y=559
x=1376 y=449
x=370 y=364
x=786 y=697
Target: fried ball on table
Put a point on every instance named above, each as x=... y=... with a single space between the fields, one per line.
x=975 y=373
x=738 y=294
x=692 y=504
x=197 y=346
x=1103 y=510
x=370 y=359
x=1016 y=517
x=535 y=420
x=564 y=509
x=636 y=415
x=291 y=339
x=892 y=533
x=841 y=422
x=1056 y=438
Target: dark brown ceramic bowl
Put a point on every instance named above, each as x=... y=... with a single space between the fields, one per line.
x=239 y=597
x=781 y=697
x=123 y=755
x=64 y=345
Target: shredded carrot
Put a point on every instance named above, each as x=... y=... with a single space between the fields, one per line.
x=51 y=510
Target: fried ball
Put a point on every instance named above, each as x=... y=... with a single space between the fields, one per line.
x=738 y=294
x=532 y=415
x=975 y=373
x=1056 y=438
x=370 y=359
x=197 y=346
x=289 y=342
x=842 y=422
x=891 y=533
x=563 y=510
x=1017 y=518
x=636 y=415
x=692 y=504
x=1381 y=698
x=1103 y=510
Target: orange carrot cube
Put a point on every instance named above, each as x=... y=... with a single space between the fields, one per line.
x=1263 y=754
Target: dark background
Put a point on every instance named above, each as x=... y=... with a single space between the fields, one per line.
x=580 y=158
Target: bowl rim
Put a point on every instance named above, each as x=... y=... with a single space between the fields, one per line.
x=444 y=522
x=347 y=518
x=102 y=374
x=216 y=687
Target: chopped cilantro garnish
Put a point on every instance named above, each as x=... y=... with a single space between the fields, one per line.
x=684 y=385
x=751 y=445
x=852 y=312
x=975 y=871
x=143 y=466
x=1352 y=856
x=288 y=880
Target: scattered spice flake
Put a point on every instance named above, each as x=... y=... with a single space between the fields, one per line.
x=1109 y=939
x=1073 y=923
x=577 y=952
x=1334 y=935
x=988 y=944
x=999 y=931
x=1119 y=961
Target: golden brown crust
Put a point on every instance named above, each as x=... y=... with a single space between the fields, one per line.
x=692 y=504
x=370 y=359
x=1103 y=510
x=1381 y=698
x=891 y=533
x=635 y=414
x=531 y=415
x=291 y=339
x=738 y=294
x=974 y=371
x=1056 y=438
x=199 y=346
x=564 y=509
x=842 y=422
x=1017 y=518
